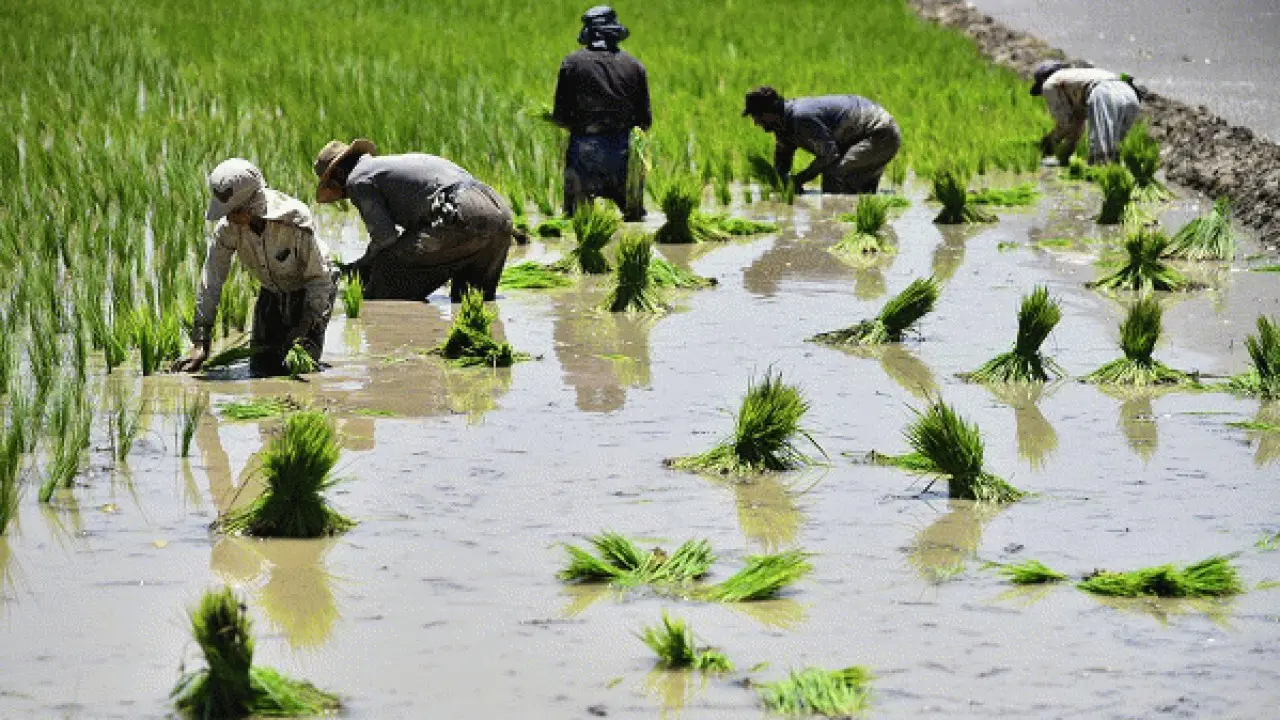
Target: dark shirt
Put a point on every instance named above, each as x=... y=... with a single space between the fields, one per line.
x=826 y=126
x=391 y=190
x=602 y=92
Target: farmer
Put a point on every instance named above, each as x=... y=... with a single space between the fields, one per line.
x=274 y=238
x=429 y=221
x=1109 y=103
x=601 y=93
x=852 y=139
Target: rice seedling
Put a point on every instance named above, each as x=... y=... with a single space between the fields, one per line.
x=236 y=352
x=124 y=424
x=260 y=409
x=1117 y=187
x=298 y=362
x=69 y=429
x=1037 y=317
x=297 y=468
x=1264 y=352
x=352 y=295
x=1269 y=542
x=765 y=433
x=895 y=318
x=470 y=341
x=639 y=163
x=10 y=471
x=194 y=406
x=533 y=275
x=594 y=225
x=720 y=225
x=620 y=561
x=761 y=169
x=680 y=199
x=1208 y=237
x=1140 y=154
x=945 y=446
x=1143 y=268
x=633 y=286
x=230 y=686
x=673 y=643
x=814 y=691
x=1213 y=577
x=1138 y=335
x=552 y=227
x=1031 y=572
x=869 y=219
x=951 y=188
x=664 y=274
x=1016 y=196
x=764 y=577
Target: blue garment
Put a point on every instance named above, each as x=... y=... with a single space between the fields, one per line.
x=596 y=166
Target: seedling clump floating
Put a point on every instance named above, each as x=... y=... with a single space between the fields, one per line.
x=684 y=224
x=1264 y=351
x=594 y=224
x=1031 y=572
x=1208 y=237
x=620 y=561
x=1143 y=268
x=950 y=187
x=814 y=691
x=1117 y=192
x=470 y=341
x=897 y=316
x=1016 y=196
x=763 y=577
x=869 y=219
x=533 y=275
x=673 y=643
x=1037 y=317
x=1138 y=335
x=1214 y=577
x=667 y=275
x=633 y=286
x=260 y=409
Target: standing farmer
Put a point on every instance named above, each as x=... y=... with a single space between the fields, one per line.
x=601 y=93
x=852 y=139
x=274 y=238
x=1108 y=102
x=429 y=221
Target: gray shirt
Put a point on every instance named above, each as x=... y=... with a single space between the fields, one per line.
x=825 y=126
x=393 y=191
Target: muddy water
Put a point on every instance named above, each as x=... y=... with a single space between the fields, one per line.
x=443 y=601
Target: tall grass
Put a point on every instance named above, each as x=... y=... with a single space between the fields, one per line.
x=1264 y=352
x=897 y=317
x=1037 y=316
x=1138 y=335
x=1208 y=237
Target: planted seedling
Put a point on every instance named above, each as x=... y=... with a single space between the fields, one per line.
x=950 y=187
x=1140 y=154
x=673 y=643
x=871 y=214
x=470 y=341
x=1117 y=192
x=894 y=320
x=194 y=406
x=10 y=467
x=771 y=183
x=1264 y=352
x=124 y=424
x=684 y=224
x=353 y=295
x=1138 y=335
x=1208 y=237
x=814 y=691
x=633 y=285
x=1213 y=577
x=763 y=577
x=1031 y=572
x=1037 y=317
x=620 y=561
x=1143 y=268
x=594 y=225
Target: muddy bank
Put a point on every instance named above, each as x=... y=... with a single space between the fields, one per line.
x=1199 y=149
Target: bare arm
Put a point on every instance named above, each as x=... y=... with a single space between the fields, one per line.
x=217 y=265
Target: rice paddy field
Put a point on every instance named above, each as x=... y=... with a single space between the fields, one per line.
x=466 y=484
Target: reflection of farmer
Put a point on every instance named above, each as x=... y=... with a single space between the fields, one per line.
x=602 y=93
x=1108 y=102
x=273 y=236
x=429 y=221
x=852 y=139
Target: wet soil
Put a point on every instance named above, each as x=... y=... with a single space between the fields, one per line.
x=443 y=602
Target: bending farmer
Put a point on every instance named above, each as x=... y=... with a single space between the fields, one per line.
x=852 y=139
x=429 y=221
x=601 y=93
x=1109 y=103
x=274 y=238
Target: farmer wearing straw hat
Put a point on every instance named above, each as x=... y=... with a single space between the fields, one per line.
x=1107 y=101
x=274 y=238
x=852 y=139
x=429 y=221
x=601 y=94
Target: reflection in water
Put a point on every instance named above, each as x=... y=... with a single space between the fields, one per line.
x=583 y=595
x=779 y=613
x=293 y=584
x=1218 y=610
x=869 y=283
x=906 y=370
x=797 y=258
x=1137 y=419
x=1037 y=439
x=1027 y=595
x=674 y=688
x=66 y=526
x=948 y=256
x=1268 y=440
x=941 y=549
x=767 y=512
x=602 y=353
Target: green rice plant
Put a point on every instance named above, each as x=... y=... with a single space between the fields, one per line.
x=1037 y=317
x=69 y=430
x=680 y=198
x=352 y=295
x=1016 y=196
x=297 y=468
x=895 y=318
x=194 y=406
x=1213 y=577
x=891 y=202
x=620 y=561
x=1117 y=187
x=639 y=163
x=765 y=433
x=719 y=225
x=764 y=577
x=260 y=409
x=237 y=351
x=945 y=446
x=533 y=275
x=814 y=691
x=553 y=227
x=158 y=339
x=1208 y=237
x=8 y=361
x=298 y=362
x=470 y=341
x=230 y=686
x=664 y=274
x=633 y=286
x=10 y=474
x=1143 y=269
x=124 y=424
x=869 y=219
x=1269 y=542
x=1140 y=154
x=1138 y=335
x=951 y=188
x=594 y=225
x=1031 y=572
x=761 y=169
x=1264 y=352
x=673 y=643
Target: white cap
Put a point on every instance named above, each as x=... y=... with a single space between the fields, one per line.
x=233 y=184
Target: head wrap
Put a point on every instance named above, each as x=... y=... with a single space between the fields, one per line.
x=601 y=29
x=1042 y=73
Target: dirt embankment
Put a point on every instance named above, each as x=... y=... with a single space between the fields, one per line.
x=1199 y=149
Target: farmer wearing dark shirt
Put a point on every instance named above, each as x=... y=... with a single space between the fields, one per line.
x=852 y=139
x=601 y=93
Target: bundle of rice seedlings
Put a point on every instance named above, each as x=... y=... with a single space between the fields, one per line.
x=633 y=287
x=594 y=225
x=765 y=433
x=194 y=406
x=684 y=224
x=1140 y=153
x=533 y=275
x=620 y=561
x=721 y=224
x=552 y=227
x=470 y=341
x=639 y=163
x=891 y=202
x=298 y=362
x=230 y=686
x=672 y=642
x=124 y=424
x=761 y=169
x=664 y=274
x=1016 y=196
x=353 y=295
x=1138 y=335
x=869 y=219
x=1117 y=192
x=1143 y=269
x=814 y=691
x=1031 y=572
x=951 y=188
x=233 y=353
x=259 y=409
x=1037 y=317
x=944 y=445
x=1213 y=577
x=297 y=468
x=895 y=318
x=1208 y=237
x=763 y=577
x=1264 y=351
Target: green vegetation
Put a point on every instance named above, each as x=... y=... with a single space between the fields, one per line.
x=296 y=468
x=470 y=341
x=1214 y=577
x=1208 y=237
x=233 y=353
x=1140 y=154
x=593 y=225
x=639 y=163
x=1037 y=317
x=633 y=285
x=1264 y=351
x=298 y=362
x=68 y=430
x=1269 y=542
x=666 y=275
x=869 y=218
x=684 y=224
x=763 y=577
x=1138 y=335
x=672 y=642
x=1117 y=186
x=814 y=691
x=760 y=169
x=951 y=188
x=1017 y=196
x=259 y=409
x=1031 y=572
x=194 y=406
x=1266 y=268
x=353 y=295
x=552 y=227
x=10 y=474
x=722 y=224
x=534 y=276
x=123 y=424
x=620 y=561
x=1143 y=269
x=895 y=318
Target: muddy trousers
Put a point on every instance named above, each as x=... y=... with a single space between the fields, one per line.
x=277 y=319
x=595 y=166
x=863 y=163
x=1113 y=108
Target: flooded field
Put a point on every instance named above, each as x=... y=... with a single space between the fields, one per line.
x=443 y=601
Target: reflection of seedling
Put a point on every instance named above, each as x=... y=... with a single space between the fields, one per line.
x=470 y=340
x=1037 y=317
x=1208 y=237
x=950 y=187
x=869 y=219
x=1031 y=572
x=814 y=691
x=1214 y=577
x=194 y=406
x=673 y=643
x=633 y=287
x=1138 y=335
x=897 y=316
x=622 y=562
x=1140 y=153
x=594 y=225
x=763 y=577
x=1264 y=351
x=1143 y=269
x=353 y=295
x=1117 y=192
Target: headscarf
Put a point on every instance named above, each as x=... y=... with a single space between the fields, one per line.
x=1043 y=72
x=601 y=29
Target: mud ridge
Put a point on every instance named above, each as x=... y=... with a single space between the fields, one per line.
x=1199 y=149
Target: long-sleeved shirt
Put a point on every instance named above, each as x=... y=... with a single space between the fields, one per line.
x=1066 y=93
x=602 y=92
x=285 y=258
x=825 y=126
x=393 y=191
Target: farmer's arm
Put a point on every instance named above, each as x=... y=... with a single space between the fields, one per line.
x=784 y=153
x=217 y=264
x=377 y=219
x=817 y=139
x=1068 y=115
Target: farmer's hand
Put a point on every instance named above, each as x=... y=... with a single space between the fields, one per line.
x=192 y=362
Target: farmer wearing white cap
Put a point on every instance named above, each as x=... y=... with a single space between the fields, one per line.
x=1108 y=102
x=274 y=238
x=429 y=221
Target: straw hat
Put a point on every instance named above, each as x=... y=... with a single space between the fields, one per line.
x=337 y=151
